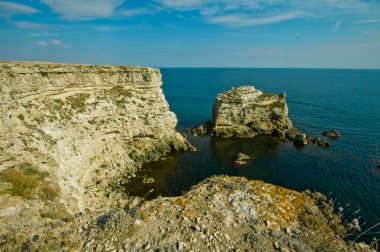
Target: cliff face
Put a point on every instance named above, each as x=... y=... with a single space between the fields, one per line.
x=246 y=112
x=77 y=121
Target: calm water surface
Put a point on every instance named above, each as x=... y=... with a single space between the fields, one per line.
x=318 y=100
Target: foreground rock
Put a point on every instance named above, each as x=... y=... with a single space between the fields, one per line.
x=88 y=127
x=332 y=133
x=219 y=214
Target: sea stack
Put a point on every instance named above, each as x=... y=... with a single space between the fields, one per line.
x=247 y=112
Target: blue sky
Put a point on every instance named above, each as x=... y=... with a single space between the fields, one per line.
x=191 y=33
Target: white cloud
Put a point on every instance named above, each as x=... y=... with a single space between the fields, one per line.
x=259 y=12
x=298 y=34
x=59 y=43
x=30 y=25
x=41 y=43
x=243 y=20
x=54 y=42
x=135 y=12
x=368 y=21
x=10 y=9
x=83 y=9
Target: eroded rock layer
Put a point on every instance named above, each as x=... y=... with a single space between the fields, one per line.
x=84 y=125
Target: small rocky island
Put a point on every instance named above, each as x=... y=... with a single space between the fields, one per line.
x=72 y=134
x=245 y=112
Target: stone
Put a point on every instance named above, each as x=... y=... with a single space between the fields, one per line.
x=202 y=129
x=332 y=133
x=301 y=139
x=181 y=245
x=241 y=159
x=146 y=246
x=148 y=180
x=319 y=142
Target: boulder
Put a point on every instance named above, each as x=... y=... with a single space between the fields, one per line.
x=301 y=139
x=320 y=142
x=331 y=133
x=202 y=129
x=241 y=159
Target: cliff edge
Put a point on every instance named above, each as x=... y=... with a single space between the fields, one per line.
x=86 y=126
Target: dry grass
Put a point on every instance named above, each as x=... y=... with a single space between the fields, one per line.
x=28 y=182
x=78 y=102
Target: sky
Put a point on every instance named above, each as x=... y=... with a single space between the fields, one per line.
x=194 y=33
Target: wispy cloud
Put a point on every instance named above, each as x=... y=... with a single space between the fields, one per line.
x=83 y=9
x=337 y=26
x=244 y=20
x=10 y=9
x=135 y=12
x=260 y=12
x=368 y=21
x=30 y=25
x=54 y=42
x=41 y=43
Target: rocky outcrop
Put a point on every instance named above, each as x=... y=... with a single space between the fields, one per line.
x=87 y=126
x=332 y=133
x=219 y=214
x=246 y=112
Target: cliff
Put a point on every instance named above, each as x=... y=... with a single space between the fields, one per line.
x=71 y=135
x=87 y=126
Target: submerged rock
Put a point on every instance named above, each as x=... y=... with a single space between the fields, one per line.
x=241 y=159
x=332 y=133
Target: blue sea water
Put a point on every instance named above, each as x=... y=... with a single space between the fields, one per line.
x=318 y=100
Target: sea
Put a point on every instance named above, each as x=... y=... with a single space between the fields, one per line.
x=318 y=99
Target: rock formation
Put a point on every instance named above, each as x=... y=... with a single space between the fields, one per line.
x=246 y=112
x=219 y=214
x=71 y=134
x=332 y=133
x=87 y=126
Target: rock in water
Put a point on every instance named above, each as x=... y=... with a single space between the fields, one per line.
x=202 y=129
x=301 y=139
x=320 y=142
x=241 y=159
x=246 y=112
x=332 y=133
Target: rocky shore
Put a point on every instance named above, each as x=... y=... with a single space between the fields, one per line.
x=71 y=135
